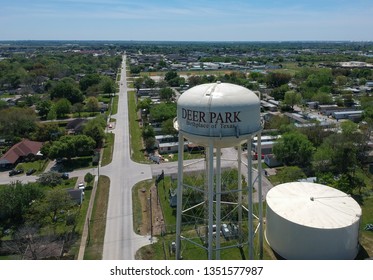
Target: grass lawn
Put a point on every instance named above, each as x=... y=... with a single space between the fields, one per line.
x=38 y=165
x=114 y=109
x=366 y=237
x=107 y=155
x=95 y=242
x=137 y=153
x=186 y=156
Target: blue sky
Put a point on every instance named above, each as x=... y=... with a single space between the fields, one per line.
x=186 y=20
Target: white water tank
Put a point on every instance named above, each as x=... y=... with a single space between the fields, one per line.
x=309 y=221
x=223 y=113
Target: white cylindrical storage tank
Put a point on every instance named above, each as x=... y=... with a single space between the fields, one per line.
x=309 y=221
x=222 y=112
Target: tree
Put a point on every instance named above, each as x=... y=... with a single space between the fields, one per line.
x=88 y=178
x=89 y=80
x=95 y=129
x=290 y=174
x=292 y=98
x=293 y=148
x=50 y=178
x=338 y=154
x=47 y=132
x=67 y=88
x=276 y=79
x=341 y=80
x=144 y=104
x=148 y=135
x=92 y=104
x=166 y=94
x=173 y=79
x=70 y=146
x=17 y=122
x=43 y=108
x=279 y=92
x=163 y=111
x=78 y=108
x=15 y=200
x=170 y=75
x=168 y=127
x=54 y=206
x=107 y=85
x=62 y=107
x=323 y=98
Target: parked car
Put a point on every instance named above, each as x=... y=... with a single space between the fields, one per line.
x=15 y=172
x=81 y=186
x=65 y=176
x=30 y=171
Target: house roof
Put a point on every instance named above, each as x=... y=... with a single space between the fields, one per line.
x=21 y=149
x=76 y=195
x=74 y=124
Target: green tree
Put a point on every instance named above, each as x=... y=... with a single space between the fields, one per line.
x=166 y=94
x=50 y=179
x=276 y=79
x=47 y=132
x=92 y=104
x=107 y=85
x=62 y=107
x=88 y=178
x=293 y=148
x=43 y=108
x=17 y=122
x=292 y=98
x=163 y=111
x=70 y=146
x=89 y=80
x=279 y=92
x=67 y=88
x=94 y=129
x=15 y=200
x=54 y=206
x=168 y=127
x=290 y=174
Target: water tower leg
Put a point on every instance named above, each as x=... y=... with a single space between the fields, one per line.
x=260 y=196
x=210 y=199
x=218 y=201
x=179 y=195
x=239 y=187
x=250 y=200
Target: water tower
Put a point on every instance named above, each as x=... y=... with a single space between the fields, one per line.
x=215 y=116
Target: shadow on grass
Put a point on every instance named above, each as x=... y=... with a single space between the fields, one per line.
x=69 y=165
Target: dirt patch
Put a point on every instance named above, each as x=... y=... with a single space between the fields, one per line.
x=150 y=208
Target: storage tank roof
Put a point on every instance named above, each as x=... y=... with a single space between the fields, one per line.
x=313 y=205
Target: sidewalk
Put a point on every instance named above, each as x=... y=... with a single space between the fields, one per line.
x=83 y=240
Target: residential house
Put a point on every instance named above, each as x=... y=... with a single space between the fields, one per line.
x=24 y=150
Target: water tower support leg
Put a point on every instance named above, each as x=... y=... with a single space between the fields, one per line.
x=260 y=196
x=211 y=199
x=250 y=200
x=218 y=201
x=179 y=195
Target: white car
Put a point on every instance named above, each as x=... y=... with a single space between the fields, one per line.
x=81 y=186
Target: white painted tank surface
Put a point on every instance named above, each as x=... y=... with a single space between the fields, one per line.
x=309 y=221
x=220 y=112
